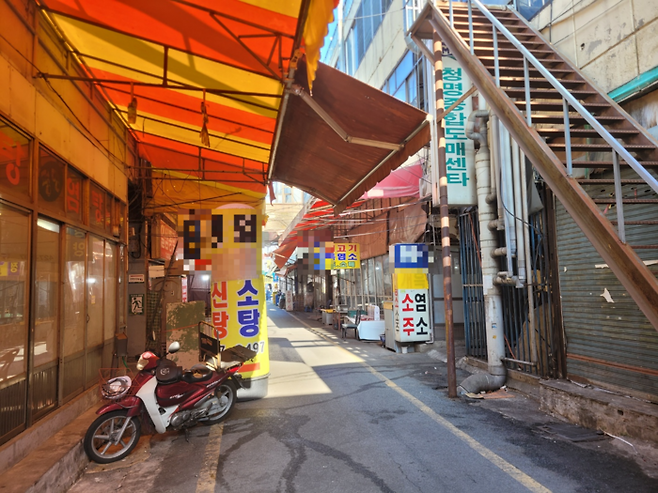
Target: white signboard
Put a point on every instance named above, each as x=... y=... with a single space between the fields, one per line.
x=460 y=150
x=412 y=315
x=135 y=278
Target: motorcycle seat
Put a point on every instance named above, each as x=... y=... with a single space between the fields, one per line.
x=168 y=373
x=198 y=373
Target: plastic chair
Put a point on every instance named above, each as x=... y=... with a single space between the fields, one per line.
x=345 y=327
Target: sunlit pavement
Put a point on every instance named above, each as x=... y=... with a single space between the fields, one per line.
x=350 y=416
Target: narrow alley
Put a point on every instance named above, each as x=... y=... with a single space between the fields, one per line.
x=350 y=416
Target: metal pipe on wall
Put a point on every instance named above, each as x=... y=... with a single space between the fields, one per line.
x=488 y=243
x=519 y=220
x=507 y=196
x=528 y=260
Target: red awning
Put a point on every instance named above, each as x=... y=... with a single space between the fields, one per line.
x=403 y=182
x=344 y=139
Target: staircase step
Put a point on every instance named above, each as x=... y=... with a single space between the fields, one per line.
x=538 y=82
x=575 y=119
x=602 y=147
x=586 y=132
x=464 y=33
x=608 y=181
x=608 y=164
x=557 y=106
x=625 y=201
x=489 y=61
x=506 y=51
x=485 y=26
x=545 y=93
x=558 y=72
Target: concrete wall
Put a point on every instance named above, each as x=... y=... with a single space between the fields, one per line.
x=386 y=49
x=612 y=41
x=68 y=117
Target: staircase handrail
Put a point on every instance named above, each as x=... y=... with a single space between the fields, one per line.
x=626 y=156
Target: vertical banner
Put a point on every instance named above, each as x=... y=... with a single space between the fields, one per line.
x=460 y=150
x=411 y=292
x=228 y=242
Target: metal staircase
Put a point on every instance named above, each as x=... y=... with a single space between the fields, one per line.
x=562 y=122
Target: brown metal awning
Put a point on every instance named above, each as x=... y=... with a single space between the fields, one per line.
x=346 y=138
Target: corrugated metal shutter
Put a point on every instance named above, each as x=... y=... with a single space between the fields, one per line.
x=611 y=343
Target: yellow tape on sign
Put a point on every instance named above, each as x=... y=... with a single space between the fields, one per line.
x=411 y=279
x=239 y=317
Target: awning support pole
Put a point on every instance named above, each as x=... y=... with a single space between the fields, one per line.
x=445 y=218
x=299 y=91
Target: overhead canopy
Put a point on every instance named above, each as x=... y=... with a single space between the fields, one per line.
x=311 y=154
x=315 y=214
x=320 y=214
x=204 y=85
x=170 y=56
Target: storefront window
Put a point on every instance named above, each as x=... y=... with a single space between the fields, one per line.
x=74 y=195
x=95 y=263
x=388 y=281
x=52 y=190
x=110 y=296
x=14 y=160
x=46 y=296
x=121 y=293
x=96 y=206
x=14 y=227
x=74 y=311
x=45 y=346
x=379 y=278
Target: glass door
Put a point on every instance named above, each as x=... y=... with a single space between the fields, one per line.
x=14 y=248
x=45 y=342
x=95 y=264
x=73 y=346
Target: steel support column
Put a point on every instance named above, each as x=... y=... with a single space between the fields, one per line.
x=445 y=218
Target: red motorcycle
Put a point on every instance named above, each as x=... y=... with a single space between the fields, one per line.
x=163 y=396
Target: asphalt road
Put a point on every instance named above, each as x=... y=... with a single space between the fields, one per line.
x=346 y=416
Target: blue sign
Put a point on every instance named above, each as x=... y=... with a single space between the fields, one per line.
x=411 y=256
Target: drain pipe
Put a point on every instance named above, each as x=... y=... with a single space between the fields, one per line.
x=518 y=216
x=497 y=374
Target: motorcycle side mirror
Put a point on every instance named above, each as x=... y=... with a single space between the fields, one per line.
x=174 y=347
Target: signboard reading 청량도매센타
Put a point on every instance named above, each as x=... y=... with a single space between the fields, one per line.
x=460 y=150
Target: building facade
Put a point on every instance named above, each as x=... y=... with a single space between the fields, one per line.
x=63 y=206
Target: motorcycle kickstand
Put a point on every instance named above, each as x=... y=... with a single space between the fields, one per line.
x=187 y=434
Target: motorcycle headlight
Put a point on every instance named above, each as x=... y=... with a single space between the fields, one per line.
x=141 y=364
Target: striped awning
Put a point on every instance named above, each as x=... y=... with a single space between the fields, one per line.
x=199 y=82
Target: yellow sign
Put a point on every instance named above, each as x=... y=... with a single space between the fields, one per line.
x=347 y=256
x=411 y=278
x=239 y=317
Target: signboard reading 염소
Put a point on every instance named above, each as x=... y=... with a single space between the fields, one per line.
x=460 y=150
x=410 y=292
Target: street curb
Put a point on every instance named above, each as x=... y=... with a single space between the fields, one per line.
x=55 y=465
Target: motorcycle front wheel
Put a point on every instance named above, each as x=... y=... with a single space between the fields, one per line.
x=226 y=394
x=102 y=441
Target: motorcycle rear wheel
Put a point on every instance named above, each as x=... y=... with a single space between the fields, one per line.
x=101 y=436
x=226 y=393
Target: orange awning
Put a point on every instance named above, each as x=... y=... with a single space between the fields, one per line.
x=191 y=66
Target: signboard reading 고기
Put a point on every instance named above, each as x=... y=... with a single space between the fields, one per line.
x=347 y=256
x=460 y=150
